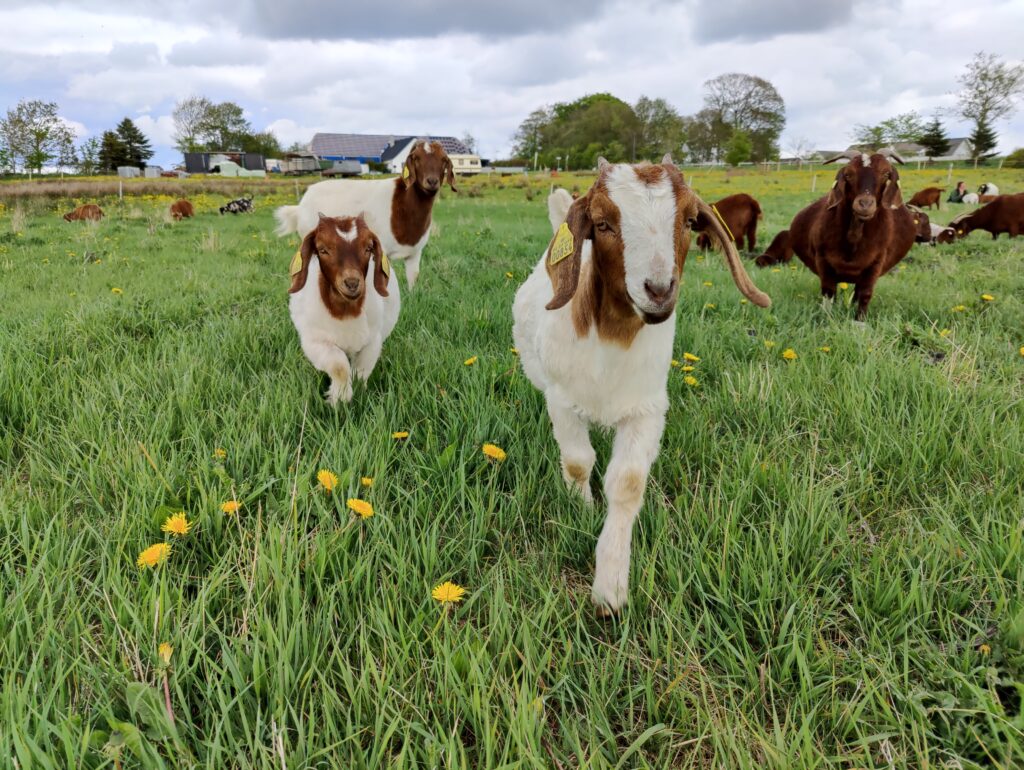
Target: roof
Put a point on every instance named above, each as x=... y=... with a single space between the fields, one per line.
x=378 y=146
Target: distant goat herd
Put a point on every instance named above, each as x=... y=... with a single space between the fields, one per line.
x=594 y=323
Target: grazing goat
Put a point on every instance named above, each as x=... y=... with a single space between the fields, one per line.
x=238 y=206
x=87 y=211
x=929 y=196
x=1003 y=215
x=740 y=213
x=922 y=225
x=342 y=325
x=182 y=209
x=856 y=233
x=986 y=198
x=594 y=325
x=397 y=210
x=987 y=188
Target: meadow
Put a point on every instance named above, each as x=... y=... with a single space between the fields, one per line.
x=827 y=571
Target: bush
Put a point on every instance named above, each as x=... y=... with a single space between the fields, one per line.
x=1015 y=159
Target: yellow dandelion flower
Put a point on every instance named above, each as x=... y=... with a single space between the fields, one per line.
x=448 y=593
x=691 y=381
x=116 y=290
x=709 y=306
x=789 y=354
x=843 y=286
x=177 y=524
x=984 y=649
x=708 y=283
x=165 y=651
x=493 y=451
x=509 y=275
x=469 y=361
x=743 y=302
x=327 y=479
x=825 y=349
x=1022 y=351
x=776 y=269
x=219 y=454
x=769 y=344
x=988 y=297
x=959 y=308
x=945 y=332
x=400 y=434
x=154 y=556
x=366 y=481
x=674 y=362
x=514 y=351
x=687 y=368
x=362 y=507
x=690 y=357
x=230 y=506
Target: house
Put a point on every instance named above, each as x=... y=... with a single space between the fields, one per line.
x=960 y=149
x=389 y=149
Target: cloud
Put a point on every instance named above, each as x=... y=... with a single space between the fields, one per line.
x=758 y=20
x=214 y=51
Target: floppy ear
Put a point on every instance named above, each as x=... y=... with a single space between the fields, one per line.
x=381 y=268
x=449 y=174
x=891 y=197
x=563 y=255
x=838 y=192
x=305 y=254
x=710 y=223
x=409 y=169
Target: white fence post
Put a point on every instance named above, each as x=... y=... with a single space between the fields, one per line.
x=814 y=182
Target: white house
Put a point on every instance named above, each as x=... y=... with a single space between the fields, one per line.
x=464 y=160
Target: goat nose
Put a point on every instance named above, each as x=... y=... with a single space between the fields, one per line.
x=352 y=284
x=660 y=293
x=433 y=181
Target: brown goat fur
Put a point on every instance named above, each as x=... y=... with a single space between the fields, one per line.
x=986 y=198
x=344 y=260
x=929 y=196
x=740 y=213
x=857 y=233
x=1005 y=214
x=922 y=225
x=87 y=211
x=426 y=168
x=182 y=209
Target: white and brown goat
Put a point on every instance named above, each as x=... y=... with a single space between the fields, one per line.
x=594 y=326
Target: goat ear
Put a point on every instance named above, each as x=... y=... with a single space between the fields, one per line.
x=563 y=256
x=381 y=269
x=602 y=163
x=409 y=169
x=449 y=174
x=838 y=191
x=667 y=160
x=891 y=196
x=711 y=224
x=303 y=257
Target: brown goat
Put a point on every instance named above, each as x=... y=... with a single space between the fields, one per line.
x=929 y=196
x=740 y=213
x=89 y=211
x=986 y=198
x=1005 y=214
x=856 y=233
x=182 y=209
x=922 y=224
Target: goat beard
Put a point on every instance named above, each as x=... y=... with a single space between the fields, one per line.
x=856 y=230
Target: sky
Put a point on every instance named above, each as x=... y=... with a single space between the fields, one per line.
x=448 y=67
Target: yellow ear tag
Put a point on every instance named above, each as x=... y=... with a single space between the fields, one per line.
x=405 y=172
x=385 y=265
x=562 y=245
x=296 y=264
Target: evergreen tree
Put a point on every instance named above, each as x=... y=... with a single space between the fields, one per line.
x=136 y=145
x=934 y=139
x=983 y=138
x=112 y=153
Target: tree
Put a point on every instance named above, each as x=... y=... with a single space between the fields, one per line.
x=470 y=141
x=224 y=126
x=112 y=152
x=34 y=133
x=188 y=118
x=706 y=135
x=867 y=137
x=89 y=156
x=297 y=147
x=746 y=103
x=526 y=142
x=983 y=139
x=263 y=143
x=989 y=89
x=934 y=139
x=136 y=146
x=739 y=148
x=660 y=129
x=1015 y=159
x=905 y=127
x=6 y=160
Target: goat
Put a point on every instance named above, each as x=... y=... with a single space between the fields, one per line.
x=559 y=202
x=87 y=211
x=986 y=198
x=238 y=206
x=970 y=198
x=856 y=233
x=922 y=225
x=987 y=188
x=342 y=325
x=740 y=213
x=182 y=209
x=398 y=210
x=594 y=325
x=929 y=196
x=1003 y=215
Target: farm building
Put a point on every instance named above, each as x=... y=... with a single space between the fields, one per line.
x=960 y=149
x=389 y=149
x=206 y=162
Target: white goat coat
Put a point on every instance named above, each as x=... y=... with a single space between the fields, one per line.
x=350 y=197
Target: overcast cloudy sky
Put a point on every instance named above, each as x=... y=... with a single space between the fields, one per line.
x=450 y=66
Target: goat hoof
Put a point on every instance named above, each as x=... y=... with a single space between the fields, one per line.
x=604 y=612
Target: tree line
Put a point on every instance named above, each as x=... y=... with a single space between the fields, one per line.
x=742 y=119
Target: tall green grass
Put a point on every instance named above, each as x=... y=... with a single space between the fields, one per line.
x=827 y=570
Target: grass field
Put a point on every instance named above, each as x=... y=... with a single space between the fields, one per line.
x=827 y=571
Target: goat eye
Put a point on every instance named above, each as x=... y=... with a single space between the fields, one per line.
x=691 y=222
x=604 y=227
